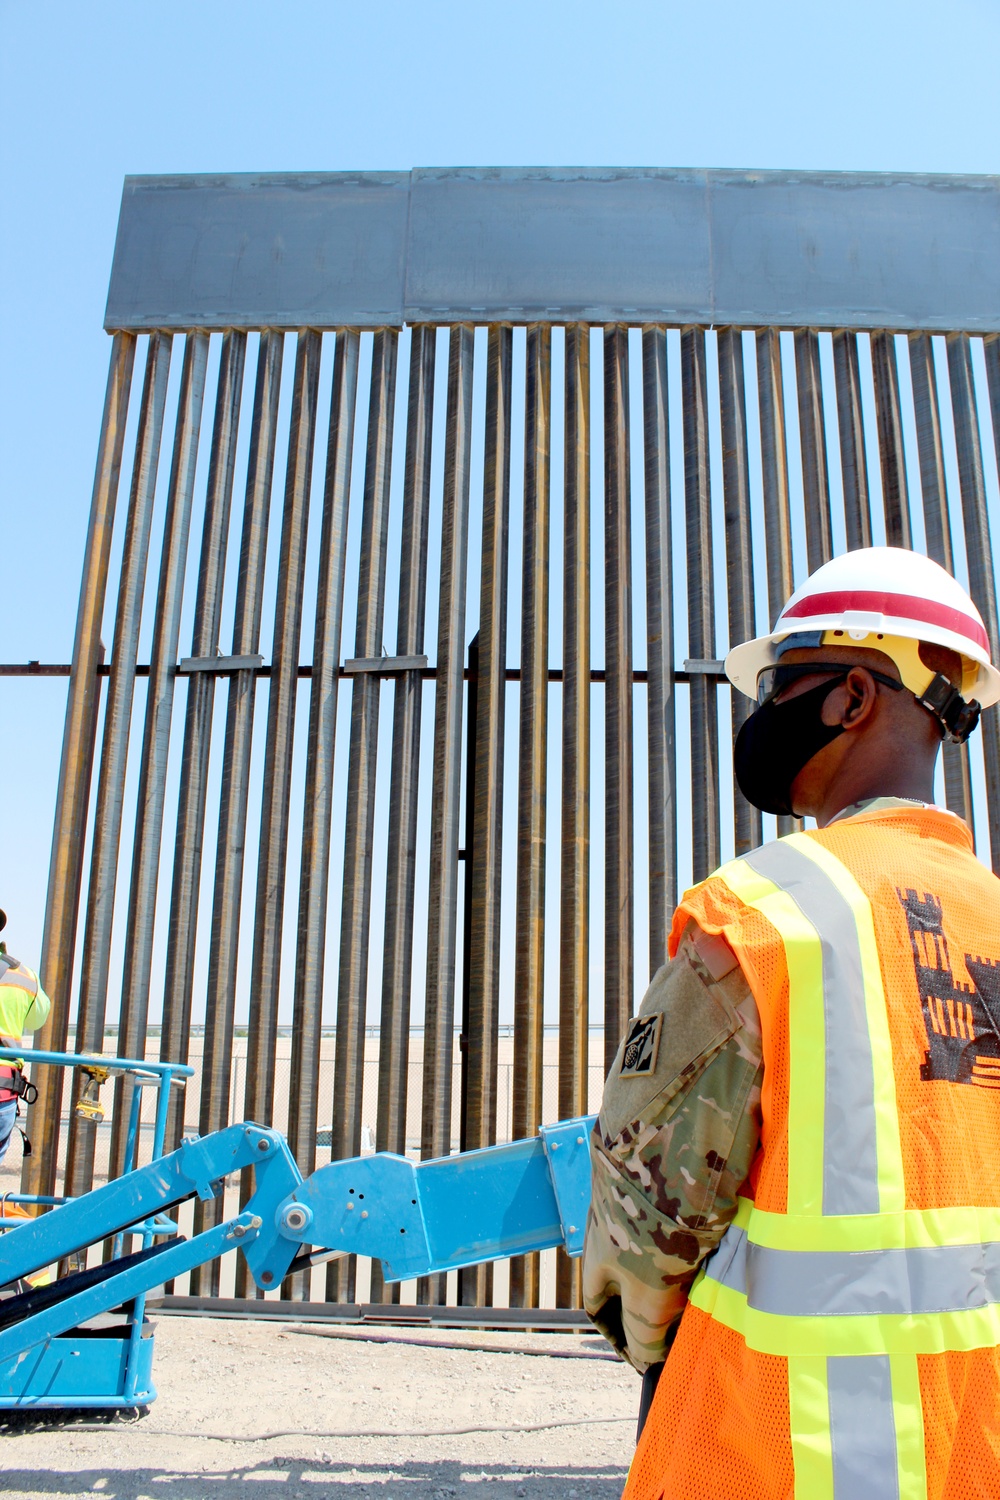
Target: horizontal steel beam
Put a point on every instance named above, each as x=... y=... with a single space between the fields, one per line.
x=381 y=666
x=558 y=245
x=540 y=1320
x=42 y=669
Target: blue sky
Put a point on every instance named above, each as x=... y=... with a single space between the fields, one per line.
x=88 y=94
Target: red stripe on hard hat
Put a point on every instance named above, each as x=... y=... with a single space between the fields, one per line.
x=903 y=606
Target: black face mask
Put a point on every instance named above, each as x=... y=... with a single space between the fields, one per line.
x=777 y=741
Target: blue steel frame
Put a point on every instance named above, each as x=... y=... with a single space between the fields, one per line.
x=418 y=1218
x=93 y=1372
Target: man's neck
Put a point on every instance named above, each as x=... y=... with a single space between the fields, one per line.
x=909 y=783
x=877 y=804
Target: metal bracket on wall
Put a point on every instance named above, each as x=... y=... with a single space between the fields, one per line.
x=357 y=664
x=705 y=667
x=190 y=664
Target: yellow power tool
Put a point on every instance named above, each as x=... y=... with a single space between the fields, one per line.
x=88 y=1104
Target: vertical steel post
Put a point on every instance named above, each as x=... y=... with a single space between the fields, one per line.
x=660 y=711
x=812 y=433
x=317 y=812
x=352 y=989
x=442 y=894
x=223 y=953
x=930 y=449
x=193 y=792
x=574 y=933
x=476 y=1283
x=619 y=915
x=156 y=732
x=401 y=857
x=739 y=547
x=774 y=465
x=529 y=950
x=706 y=837
x=979 y=552
x=853 y=459
x=937 y=529
x=272 y=861
x=92 y=1005
x=468 y=856
x=895 y=497
x=991 y=349
x=69 y=831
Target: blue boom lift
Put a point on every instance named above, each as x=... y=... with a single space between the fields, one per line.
x=417 y=1218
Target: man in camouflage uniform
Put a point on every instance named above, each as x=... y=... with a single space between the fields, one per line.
x=873 y=662
x=678 y=1129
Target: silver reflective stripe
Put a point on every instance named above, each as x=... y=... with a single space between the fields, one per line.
x=850 y=1167
x=862 y=1428
x=728 y=1261
x=926 y=1279
x=856 y=1283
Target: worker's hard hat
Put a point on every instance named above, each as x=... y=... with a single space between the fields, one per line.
x=884 y=599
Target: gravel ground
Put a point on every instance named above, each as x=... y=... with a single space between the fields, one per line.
x=224 y=1384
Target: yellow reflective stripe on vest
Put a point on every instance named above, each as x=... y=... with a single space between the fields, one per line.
x=847 y=1333
x=806 y=1043
x=856 y=1428
x=809 y=1425
x=844 y=1148
x=911 y=1227
x=889 y=1149
x=908 y=1414
x=838 y=1031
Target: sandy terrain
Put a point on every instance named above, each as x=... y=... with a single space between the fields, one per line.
x=220 y=1379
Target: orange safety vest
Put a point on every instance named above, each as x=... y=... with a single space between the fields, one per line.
x=841 y=1342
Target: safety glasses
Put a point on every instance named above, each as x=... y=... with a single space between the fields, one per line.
x=773 y=681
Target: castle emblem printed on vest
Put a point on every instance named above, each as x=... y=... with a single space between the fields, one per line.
x=962 y=1020
x=641 y=1043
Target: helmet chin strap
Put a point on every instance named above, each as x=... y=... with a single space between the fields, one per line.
x=945 y=703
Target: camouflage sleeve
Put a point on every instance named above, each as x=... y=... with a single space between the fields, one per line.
x=678 y=1130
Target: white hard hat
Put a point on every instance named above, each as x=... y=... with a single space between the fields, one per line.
x=873 y=593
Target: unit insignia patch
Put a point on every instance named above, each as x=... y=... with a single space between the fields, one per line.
x=962 y=1020
x=639 y=1055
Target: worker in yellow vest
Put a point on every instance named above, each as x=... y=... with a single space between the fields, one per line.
x=24 y=1006
x=796 y=1190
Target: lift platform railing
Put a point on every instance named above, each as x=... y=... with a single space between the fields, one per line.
x=114 y=1369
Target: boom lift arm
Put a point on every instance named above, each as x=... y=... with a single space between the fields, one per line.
x=415 y=1217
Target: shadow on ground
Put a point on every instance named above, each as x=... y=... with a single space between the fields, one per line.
x=298 y=1479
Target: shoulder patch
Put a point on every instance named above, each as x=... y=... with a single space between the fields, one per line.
x=641 y=1045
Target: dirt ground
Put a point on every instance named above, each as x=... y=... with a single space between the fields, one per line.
x=553 y=1421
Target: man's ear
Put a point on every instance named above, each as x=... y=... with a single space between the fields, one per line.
x=862 y=695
